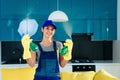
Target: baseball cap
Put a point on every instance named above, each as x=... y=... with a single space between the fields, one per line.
x=49 y=22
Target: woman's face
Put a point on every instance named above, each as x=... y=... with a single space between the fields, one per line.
x=48 y=31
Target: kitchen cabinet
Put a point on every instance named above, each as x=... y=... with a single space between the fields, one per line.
x=105 y=19
x=105 y=29
x=39 y=9
x=8 y=30
x=85 y=16
x=82 y=9
x=65 y=6
x=95 y=16
x=105 y=8
x=82 y=26
x=13 y=8
x=23 y=8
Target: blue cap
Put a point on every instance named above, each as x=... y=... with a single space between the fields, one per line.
x=49 y=22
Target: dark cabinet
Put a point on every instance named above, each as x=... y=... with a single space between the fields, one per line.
x=77 y=68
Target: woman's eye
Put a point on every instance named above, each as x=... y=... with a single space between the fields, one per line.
x=47 y=28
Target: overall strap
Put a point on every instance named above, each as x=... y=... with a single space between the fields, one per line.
x=40 y=48
x=54 y=45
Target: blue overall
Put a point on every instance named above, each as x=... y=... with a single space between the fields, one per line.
x=48 y=67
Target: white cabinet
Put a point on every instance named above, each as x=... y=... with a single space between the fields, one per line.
x=68 y=67
x=112 y=68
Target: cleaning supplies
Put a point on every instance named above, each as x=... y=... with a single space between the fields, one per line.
x=67 y=49
x=33 y=47
x=64 y=50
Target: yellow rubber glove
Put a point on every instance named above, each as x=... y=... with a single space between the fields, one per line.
x=69 y=44
x=26 y=45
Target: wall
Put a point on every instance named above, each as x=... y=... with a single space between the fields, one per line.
x=0 y=52
x=118 y=19
x=116 y=43
x=116 y=51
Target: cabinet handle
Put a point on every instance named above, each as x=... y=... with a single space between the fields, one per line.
x=78 y=67
x=89 y=67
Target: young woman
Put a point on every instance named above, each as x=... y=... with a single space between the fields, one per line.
x=49 y=58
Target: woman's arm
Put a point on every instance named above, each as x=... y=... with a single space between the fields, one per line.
x=62 y=61
x=31 y=61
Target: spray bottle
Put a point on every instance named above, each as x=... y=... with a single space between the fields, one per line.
x=64 y=50
x=33 y=46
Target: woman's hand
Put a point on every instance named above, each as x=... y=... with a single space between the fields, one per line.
x=26 y=45
x=67 y=49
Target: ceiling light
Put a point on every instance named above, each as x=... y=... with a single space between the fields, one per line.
x=58 y=16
